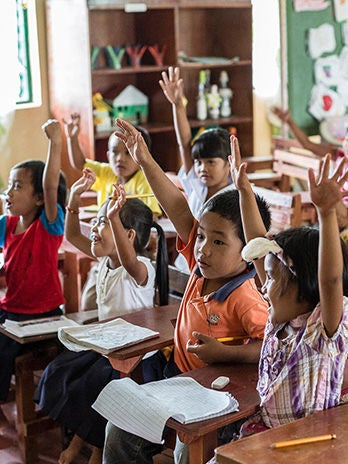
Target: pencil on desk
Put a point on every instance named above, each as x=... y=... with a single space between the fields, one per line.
x=134 y=195
x=231 y=339
x=303 y=441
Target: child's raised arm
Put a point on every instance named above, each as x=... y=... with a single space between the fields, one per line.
x=72 y=129
x=168 y=195
x=173 y=88
x=72 y=222
x=326 y=192
x=51 y=173
x=124 y=239
x=253 y=225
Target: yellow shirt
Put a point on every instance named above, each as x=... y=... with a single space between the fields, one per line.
x=106 y=177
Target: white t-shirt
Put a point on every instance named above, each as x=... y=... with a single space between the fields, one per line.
x=118 y=293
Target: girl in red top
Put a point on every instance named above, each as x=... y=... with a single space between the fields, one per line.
x=31 y=233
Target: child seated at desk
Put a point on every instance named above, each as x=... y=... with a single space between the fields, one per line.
x=121 y=169
x=305 y=277
x=221 y=298
x=31 y=233
x=125 y=282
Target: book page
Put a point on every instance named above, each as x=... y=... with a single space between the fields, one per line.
x=104 y=337
x=32 y=327
x=144 y=409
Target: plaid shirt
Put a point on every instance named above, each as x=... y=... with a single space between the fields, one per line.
x=303 y=373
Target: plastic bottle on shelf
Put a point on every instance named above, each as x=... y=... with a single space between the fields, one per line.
x=202 y=110
x=226 y=95
x=214 y=100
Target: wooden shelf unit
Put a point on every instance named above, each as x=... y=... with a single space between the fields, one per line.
x=197 y=28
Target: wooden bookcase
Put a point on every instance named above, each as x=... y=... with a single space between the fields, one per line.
x=196 y=27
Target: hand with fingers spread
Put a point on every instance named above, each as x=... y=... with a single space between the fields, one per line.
x=325 y=190
x=134 y=141
x=172 y=86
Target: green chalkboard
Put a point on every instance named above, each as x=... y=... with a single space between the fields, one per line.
x=300 y=64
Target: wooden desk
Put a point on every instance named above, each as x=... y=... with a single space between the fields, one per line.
x=202 y=436
x=41 y=349
x=256 y=448
x=161 y=319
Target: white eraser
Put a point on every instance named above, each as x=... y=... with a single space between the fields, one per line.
x=135 y=7
x=220 y=382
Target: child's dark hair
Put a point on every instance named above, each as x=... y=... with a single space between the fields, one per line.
x=226 y=204
x=301 y=246
x=212 y=143
x=36 y=168
x=142 y=130
x=134 y=214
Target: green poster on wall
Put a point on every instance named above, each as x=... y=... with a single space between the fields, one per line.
x=300 y=64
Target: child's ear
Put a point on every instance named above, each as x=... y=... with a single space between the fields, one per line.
x=39 y=199
x=131 y=235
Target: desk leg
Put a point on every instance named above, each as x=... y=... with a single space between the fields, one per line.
x=202 y=449
x=71 y=282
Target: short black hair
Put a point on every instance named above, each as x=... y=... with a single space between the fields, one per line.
x=226 y=204
x=144 y=132
x=212 y=143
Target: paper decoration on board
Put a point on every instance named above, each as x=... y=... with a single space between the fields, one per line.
x=325 y=102
x=341 y=10
x=345 y=32
x=334 y=129
x=327 y=70
x=310 y=5
x=321 y=40
x=342 y=90
x=344 y=62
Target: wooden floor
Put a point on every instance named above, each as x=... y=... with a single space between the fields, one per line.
x=50 y=443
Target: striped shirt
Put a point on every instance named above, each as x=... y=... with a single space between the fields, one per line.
x=302 y=373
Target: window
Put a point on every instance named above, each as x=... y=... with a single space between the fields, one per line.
x=29 y=91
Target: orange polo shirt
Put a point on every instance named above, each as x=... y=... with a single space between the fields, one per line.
x=236 y=309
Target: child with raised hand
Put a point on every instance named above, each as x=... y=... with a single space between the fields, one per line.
x=221 y=298
x=126 y=282
x=31 y=233
x=304 y=276
x=120 y=168
x=205 y=168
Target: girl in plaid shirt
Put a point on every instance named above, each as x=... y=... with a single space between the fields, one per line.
x=304 y=277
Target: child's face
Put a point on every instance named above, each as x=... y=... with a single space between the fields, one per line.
x=101 y=235
x=21 y=200
x=212 y=172
x=120 y=160
x=218 y=248
x=280 y=291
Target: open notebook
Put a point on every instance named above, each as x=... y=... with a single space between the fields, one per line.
x=41 y=326
x=144 y=409
x=104 y=337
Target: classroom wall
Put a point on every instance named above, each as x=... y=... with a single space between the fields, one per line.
x=25 y=138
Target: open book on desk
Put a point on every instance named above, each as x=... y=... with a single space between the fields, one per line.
x=41 y=326
x=144 y=409
x=104 y=337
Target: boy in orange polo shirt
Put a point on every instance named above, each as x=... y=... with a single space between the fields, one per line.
x=221 y=298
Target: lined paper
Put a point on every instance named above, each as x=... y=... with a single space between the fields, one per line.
x=144 y=409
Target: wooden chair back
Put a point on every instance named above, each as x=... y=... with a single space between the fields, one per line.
x=177 y=284
x=285 y=208
x=287 y=163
